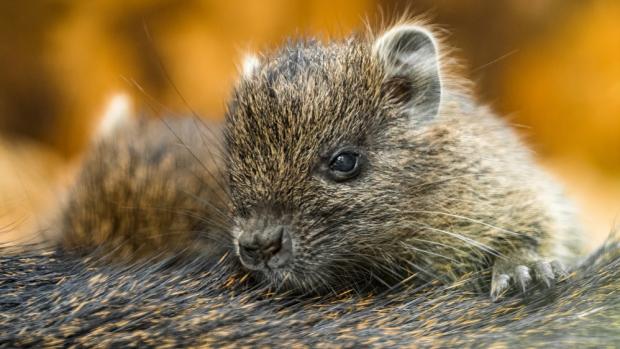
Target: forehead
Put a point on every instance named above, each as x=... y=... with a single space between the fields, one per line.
x=306 y=99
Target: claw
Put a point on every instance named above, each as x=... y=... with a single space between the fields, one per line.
x=544 y=273
x=558 y=269
x=499 y=286
x=507 y=276
x=523 y=277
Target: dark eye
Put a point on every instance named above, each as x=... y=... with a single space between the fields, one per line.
x=344 y=165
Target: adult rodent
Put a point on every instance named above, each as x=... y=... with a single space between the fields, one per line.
x=50 y=300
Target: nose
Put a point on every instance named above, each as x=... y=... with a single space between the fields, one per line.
x=270 y=248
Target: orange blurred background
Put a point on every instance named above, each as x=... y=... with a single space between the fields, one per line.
x=551 y=66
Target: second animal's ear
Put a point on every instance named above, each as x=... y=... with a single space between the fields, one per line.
x=118 y=112
x=409 y=55
x=249 y=65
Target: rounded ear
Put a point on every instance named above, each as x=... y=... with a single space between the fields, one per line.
x=118 y=112
x=409 y=55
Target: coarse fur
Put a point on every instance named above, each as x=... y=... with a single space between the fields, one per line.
x=55 y=301
x=446 y=188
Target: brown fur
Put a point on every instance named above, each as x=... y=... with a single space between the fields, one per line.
x=149 y=186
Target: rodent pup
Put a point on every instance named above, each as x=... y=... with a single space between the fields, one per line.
x=362 y=161
x=148 y=187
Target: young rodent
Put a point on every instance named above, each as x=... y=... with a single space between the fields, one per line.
x=366 y=161
x=148 y=187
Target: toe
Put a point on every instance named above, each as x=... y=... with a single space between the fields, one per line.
x=558 y=269
x=543 y=272
x=499 y=285
x=522 y=277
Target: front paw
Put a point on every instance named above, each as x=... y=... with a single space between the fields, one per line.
x=510 y=274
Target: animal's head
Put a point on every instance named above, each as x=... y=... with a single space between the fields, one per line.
x=312 y=159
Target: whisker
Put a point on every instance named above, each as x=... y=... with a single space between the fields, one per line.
x=470 y=241
x=168 y=78
x=470 y=220
x=437 y=243
x=217 y=210
x=151 y=99
x=221 y=185
x=408 y=246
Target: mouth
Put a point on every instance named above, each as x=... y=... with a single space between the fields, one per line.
x=279 y=279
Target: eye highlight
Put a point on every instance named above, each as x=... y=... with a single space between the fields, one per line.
x=344 y=165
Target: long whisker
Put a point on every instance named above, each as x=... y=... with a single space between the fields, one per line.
x=188 y=213
x=470 y=220
x=408 y=246
x=218 y=211
x=436 y=243
x=168 y=78
x=470 y=241
x=217 y=180
x=153 y=100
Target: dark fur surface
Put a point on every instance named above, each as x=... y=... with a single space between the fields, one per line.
x=55 y=301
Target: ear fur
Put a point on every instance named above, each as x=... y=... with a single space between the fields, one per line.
x=118 y=112
x=409 y=54
x=249 y=65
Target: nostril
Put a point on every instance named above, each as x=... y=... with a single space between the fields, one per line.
x=251 y=259
x=248 y=251
x=273 y=241
x=284 y=253
x=273 y=248
x=248 y=248
x=269 y=247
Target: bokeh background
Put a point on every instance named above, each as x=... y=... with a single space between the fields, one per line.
x=552 y=67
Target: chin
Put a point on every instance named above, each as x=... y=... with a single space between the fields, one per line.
x=304 y=281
